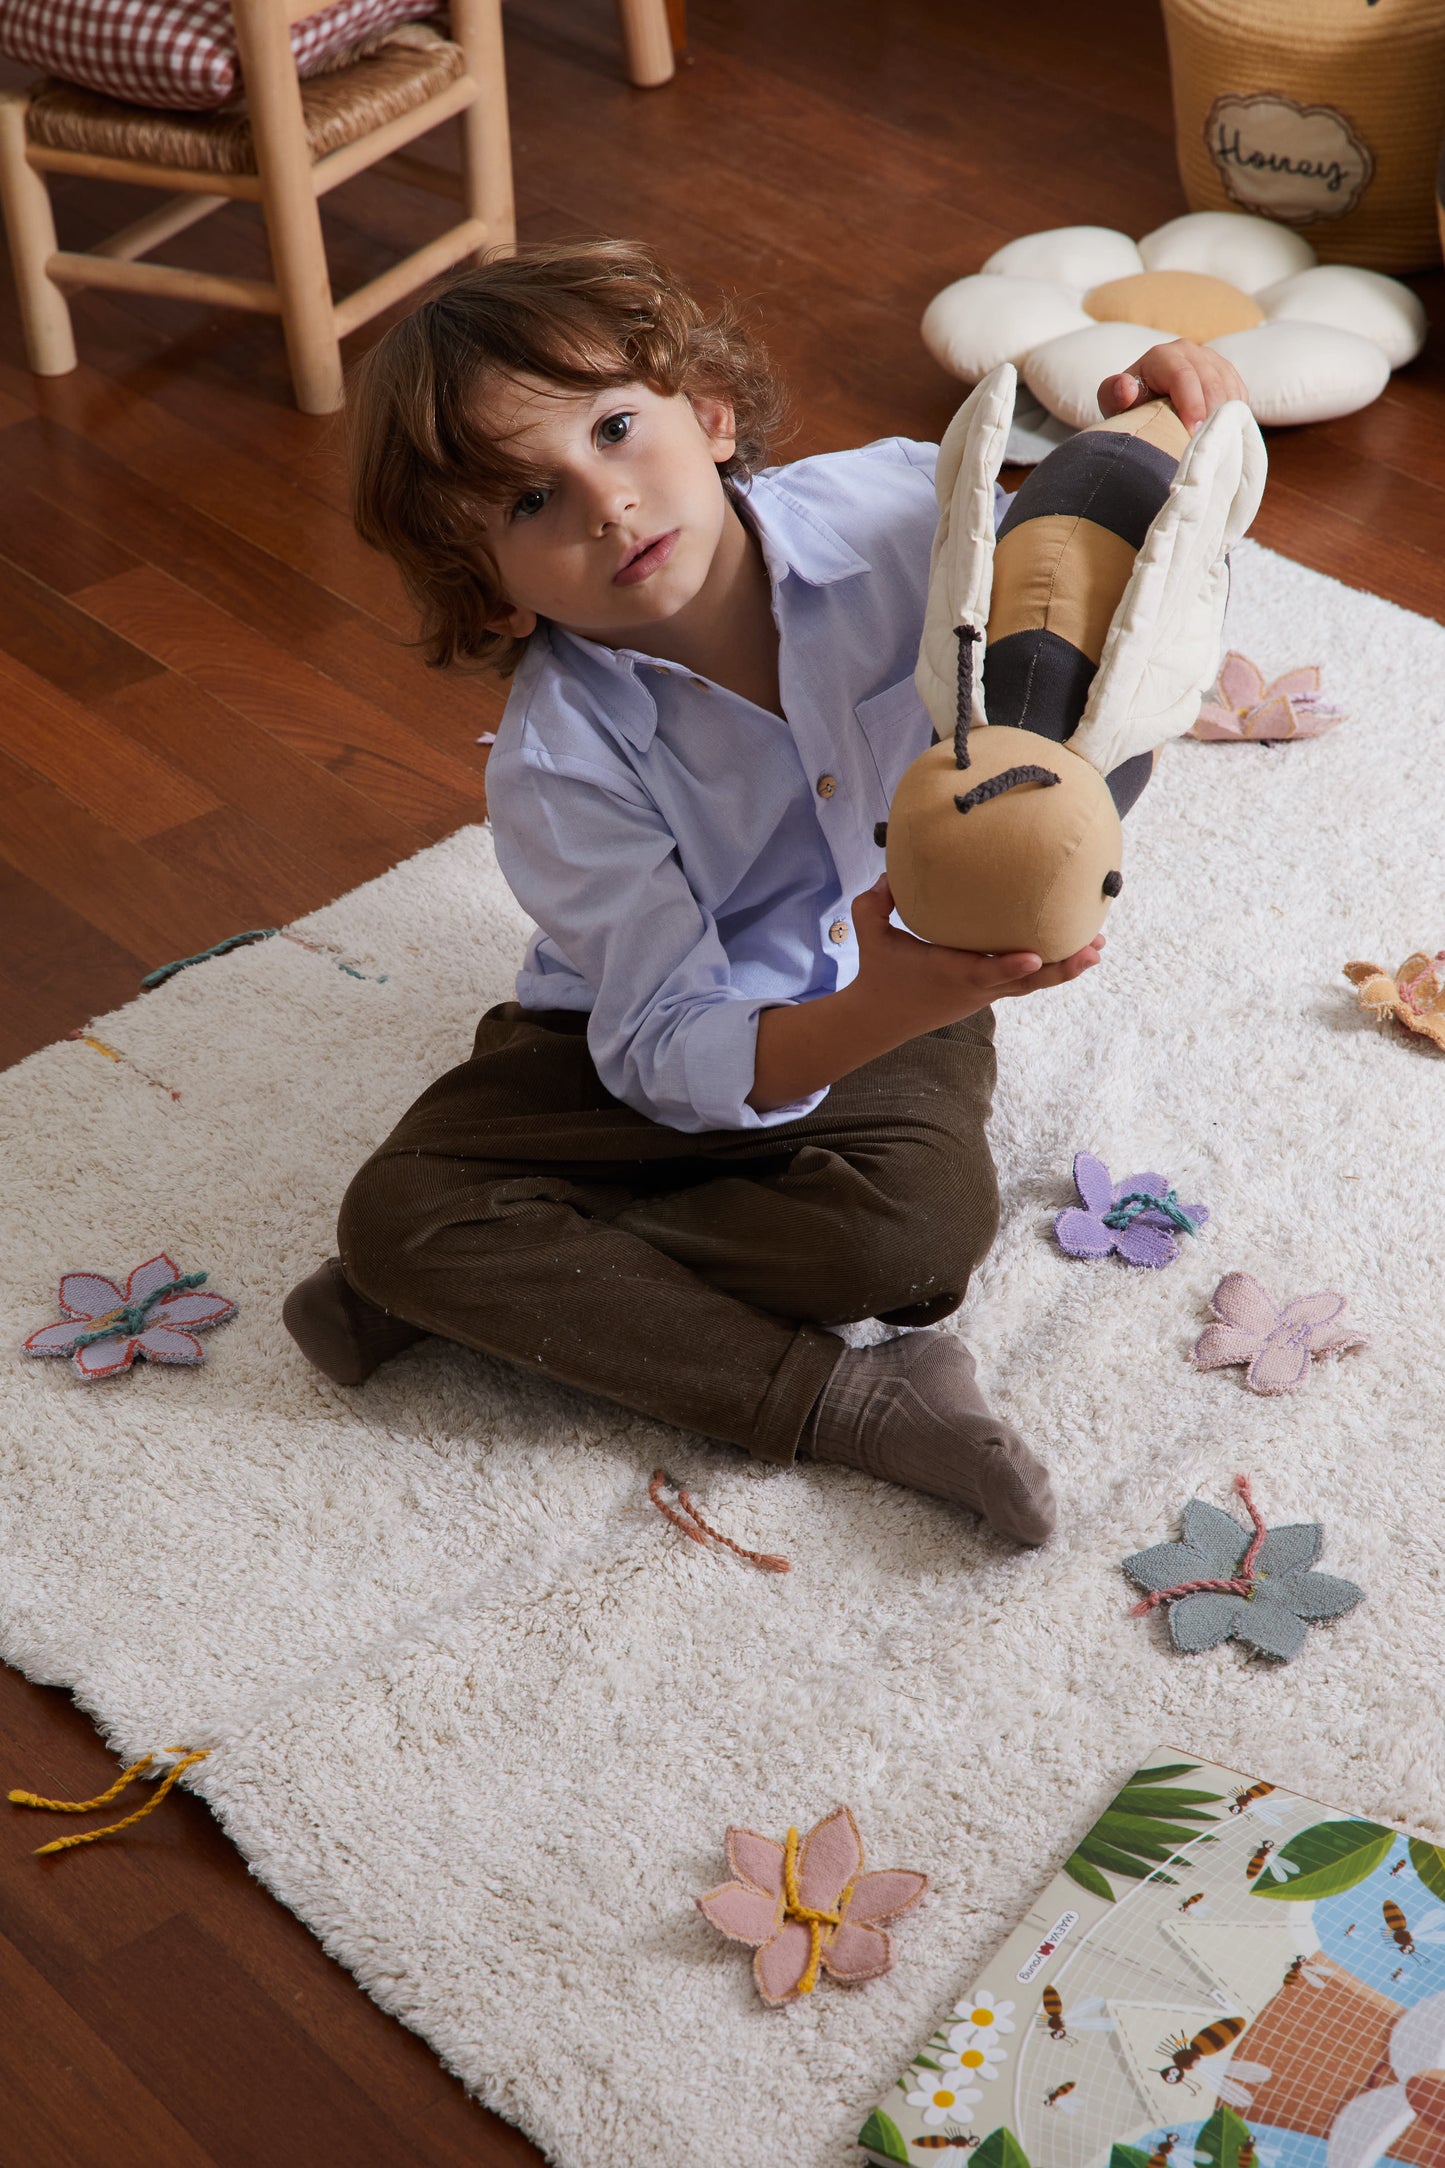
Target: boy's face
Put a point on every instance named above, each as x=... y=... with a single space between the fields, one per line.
x=622 y=530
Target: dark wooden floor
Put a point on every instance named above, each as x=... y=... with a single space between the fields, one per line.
x=210 y=720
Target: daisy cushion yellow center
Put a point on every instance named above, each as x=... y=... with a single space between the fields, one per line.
x=1186 y=304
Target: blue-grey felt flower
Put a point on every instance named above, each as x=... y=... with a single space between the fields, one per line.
x=1269 y=1611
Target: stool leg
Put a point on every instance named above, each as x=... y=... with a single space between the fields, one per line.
x=30 y=226
x=288 y=198
x=646 y=42
x=486 y=136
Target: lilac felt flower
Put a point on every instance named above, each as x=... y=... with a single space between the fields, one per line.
x=1278 y=1344
x=1133 y=1217
x=105 y=1328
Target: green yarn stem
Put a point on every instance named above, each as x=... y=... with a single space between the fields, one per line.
x=1138 y=1201
x=136 y=1315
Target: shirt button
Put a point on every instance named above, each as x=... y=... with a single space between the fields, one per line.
x=827 y=784
x=838 y=931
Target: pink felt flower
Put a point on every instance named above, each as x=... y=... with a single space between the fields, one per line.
x=802 y=1906
x=1242 y=706
x=156 y=1315
x=1278 y=1345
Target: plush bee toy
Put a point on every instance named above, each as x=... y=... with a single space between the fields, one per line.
x=1057 y=657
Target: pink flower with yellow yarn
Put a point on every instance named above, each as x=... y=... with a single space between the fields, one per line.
x=1242 y=706
x=157 y=1314
x=809 y=1906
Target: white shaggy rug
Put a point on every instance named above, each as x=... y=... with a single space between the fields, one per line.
x=480 y=1717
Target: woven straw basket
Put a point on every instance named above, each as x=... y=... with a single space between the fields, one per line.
x=1324 y=114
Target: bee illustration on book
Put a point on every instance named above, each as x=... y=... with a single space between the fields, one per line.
x=1251 y=2156
x=1191 y=1904
x=1166 y=2153
x=1243 y=1801
x=1430 y=1927
x=1281 y=1867
x=1184 y=2052
x=936 y=2141
x=1352 y=1926
x=1399 y=1867
x=1398 y=1973
x=1059 y=2097
x=1301 y=1969
x=1087 y=2016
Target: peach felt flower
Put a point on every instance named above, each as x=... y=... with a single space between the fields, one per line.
x=1241 y=705
x=1415 y=996
x=1278 y=1344
x=809 y=1904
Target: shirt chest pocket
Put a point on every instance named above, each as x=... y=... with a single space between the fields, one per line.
x=897 y=727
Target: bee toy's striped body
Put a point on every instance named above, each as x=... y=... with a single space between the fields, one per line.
x=1096 y=613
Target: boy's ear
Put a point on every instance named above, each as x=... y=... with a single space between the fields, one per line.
x=716 y=420
x=517 y=624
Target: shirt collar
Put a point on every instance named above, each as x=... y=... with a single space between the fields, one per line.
x=794 y=542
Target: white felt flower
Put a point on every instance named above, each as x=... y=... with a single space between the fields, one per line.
x=983 y=2015
x=1080 y=303
x=940 y=2098
x=971 y=2054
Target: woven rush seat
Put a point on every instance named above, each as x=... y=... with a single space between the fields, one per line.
x=405 y=68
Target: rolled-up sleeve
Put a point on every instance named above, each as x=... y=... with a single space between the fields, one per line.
x=596 y=867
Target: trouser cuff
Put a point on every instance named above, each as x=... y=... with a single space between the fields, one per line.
x=797 y=1382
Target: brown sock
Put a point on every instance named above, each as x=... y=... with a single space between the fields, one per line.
x=346 y=1336
x=910 y=1411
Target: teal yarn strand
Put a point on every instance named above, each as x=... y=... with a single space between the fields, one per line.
x=133 y=1319
x=153 y=979
x=1139 y=1201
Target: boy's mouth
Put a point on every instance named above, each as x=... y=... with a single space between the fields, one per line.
x=646 y=559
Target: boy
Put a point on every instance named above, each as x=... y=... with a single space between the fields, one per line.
x=732 y=1104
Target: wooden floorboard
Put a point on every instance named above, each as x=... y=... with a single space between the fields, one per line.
x=211 y=717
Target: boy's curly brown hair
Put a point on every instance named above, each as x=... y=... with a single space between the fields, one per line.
x=581 y=316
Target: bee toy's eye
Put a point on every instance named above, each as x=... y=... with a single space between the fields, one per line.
x=1113 y=882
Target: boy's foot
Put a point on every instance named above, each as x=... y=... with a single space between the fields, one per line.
x=346 y=1336
x=909 y=1410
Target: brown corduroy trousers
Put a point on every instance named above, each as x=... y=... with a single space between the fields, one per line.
x=519 y=1208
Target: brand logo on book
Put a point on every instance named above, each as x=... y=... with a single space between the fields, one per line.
x=1293 y=162
x=1047 y=1947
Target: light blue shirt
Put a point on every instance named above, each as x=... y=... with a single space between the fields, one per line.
x=690 y=859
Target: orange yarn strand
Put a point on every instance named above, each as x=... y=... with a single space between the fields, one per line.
x=103 y=1799
x=769 y=1561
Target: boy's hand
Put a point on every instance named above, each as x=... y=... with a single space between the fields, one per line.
x=1194 y=379
x=921 y=986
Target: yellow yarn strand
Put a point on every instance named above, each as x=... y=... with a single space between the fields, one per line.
x=794 y=1909
x=189 y=1757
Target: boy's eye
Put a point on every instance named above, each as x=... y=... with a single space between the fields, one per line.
x=529 y=503
x=615 y=428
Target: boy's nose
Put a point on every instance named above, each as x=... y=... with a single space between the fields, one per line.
x=609 y=501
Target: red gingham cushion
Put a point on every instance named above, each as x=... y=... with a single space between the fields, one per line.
x=173 y=52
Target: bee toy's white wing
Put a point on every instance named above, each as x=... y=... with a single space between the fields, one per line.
x=960 y=576
x=1163 y=646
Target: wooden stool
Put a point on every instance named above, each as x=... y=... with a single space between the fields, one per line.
x=295 y=142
